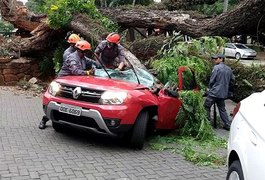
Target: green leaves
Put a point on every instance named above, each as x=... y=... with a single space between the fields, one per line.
x=204 y=153
x=60 y=12
x=194 y=54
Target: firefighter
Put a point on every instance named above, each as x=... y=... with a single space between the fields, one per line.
x=77 y=63
x=111 y=53
x=72 y=40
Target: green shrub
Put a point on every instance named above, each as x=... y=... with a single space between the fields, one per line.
x=60 y=12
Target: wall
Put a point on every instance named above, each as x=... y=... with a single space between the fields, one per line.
x=13 y=70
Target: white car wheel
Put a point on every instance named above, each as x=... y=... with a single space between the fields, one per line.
x=234 y=176
x=238 y=56
x=235 y=171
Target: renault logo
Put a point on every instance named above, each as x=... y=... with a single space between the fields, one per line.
x=76 y=92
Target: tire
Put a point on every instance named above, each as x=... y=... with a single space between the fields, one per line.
x=139 y=131
x=57 y=127
x=238 y=56
x=235 y=171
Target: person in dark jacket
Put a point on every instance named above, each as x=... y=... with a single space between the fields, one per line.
x=72 y=40
x=222 y=79
x=75 y=64
x=111 y=53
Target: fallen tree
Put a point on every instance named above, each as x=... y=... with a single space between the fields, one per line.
x=244 y=19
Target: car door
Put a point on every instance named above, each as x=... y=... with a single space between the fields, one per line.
x=227 y=50
x=170 y=103
x=254 y=114
x=233 y=50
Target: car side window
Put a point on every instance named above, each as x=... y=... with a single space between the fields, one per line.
x=230 y=46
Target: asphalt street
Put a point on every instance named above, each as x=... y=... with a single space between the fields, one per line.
x=27 y=152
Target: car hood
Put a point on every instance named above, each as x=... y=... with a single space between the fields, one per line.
x=101 y=83
x=253 y=110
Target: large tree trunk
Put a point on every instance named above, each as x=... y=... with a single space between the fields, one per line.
x=44 y=39
x=19 y=16
x=242 y=20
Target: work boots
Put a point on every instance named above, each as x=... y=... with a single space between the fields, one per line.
x=43 y=122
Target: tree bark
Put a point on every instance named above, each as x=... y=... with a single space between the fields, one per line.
x=241 y=20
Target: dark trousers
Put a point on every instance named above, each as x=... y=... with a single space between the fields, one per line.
x=209 y=101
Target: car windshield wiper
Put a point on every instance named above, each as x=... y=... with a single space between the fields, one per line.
x=98 y=59
x=133 y=71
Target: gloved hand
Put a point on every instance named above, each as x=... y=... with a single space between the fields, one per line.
x=90 y=72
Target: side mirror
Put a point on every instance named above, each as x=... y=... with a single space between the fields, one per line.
x=172 y=93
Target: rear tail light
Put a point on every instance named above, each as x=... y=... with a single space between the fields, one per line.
x=236 y=109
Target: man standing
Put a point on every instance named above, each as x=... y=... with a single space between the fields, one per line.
x=111 y=53
x=222 y=79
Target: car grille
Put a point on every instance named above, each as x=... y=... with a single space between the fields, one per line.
x=87 y=95
x=78 y=120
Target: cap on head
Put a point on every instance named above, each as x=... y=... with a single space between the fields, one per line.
x=83 y=45
x=218 y=56
x=113 y=38
x=73 y=38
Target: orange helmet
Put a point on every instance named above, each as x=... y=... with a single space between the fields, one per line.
x=83 y=45
x=73 y=38
x=113 y=38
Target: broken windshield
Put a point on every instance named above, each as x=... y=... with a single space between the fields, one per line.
x=145 y=78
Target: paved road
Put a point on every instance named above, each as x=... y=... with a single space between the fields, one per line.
x=29 y=153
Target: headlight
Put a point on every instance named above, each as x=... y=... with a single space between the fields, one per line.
x=54 y=88
x=112 y=97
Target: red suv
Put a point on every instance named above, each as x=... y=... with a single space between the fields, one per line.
x=113 y=103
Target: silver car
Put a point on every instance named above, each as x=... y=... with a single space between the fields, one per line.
x=239 y=51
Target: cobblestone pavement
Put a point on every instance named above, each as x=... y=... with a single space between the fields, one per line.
x=29 y=153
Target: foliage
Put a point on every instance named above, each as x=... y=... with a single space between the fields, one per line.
x=36 y=6
x=114 y=3
x=249 y=79
x=192 y=118
x=194 y=54
x=216 y=8
x=60 y=12
x=5 y=26
x=46 y=67
x=58 y=57
x=206 y=153
x=3 y=51
x=24 y=84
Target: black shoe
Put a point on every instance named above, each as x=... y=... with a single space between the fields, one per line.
x=227 y=127
x=43 y=123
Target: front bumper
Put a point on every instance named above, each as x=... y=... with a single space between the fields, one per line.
x=91 y=119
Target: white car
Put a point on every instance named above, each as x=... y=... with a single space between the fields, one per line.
x=246 y=144
x=239 y=51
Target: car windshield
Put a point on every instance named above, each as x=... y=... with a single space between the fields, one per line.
x=241 y=46
x=145 y=78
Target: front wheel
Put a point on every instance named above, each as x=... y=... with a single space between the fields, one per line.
x=238 y=56
x=235 y=171
x=57 y=127
x=139 y=130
